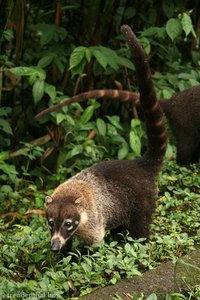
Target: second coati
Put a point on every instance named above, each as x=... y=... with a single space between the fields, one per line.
x=182 y=111
x=113 y=194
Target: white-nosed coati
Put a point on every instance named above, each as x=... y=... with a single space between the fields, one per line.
x=182 y=111
x=113 y=194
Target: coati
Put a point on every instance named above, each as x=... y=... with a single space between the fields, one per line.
x=182 y=111
x=113 y=194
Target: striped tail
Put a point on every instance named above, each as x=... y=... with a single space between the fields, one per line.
x=124 y=96
x=156 y=131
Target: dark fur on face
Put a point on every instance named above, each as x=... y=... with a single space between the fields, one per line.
x=63 y=221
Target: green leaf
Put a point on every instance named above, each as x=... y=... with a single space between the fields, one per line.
x=123 y=151
x=4 y=111
x=166 y=94
x=152 y=297
x=101 y=126
x=105 y=56
x=45 y=61
x=58 y=61
x=59 y=118
x=187 y=24
x=173 y=28
x=8 y=34
x=135 y=143
x=50 y=90
x=8 y=169
x=70 y=120
x=87 y=114
x=22 y=71
x=87 y=54
x=100 y=57
x=6 y=126
x=125 y=62
x=79 y=68
x=77 y=56
x=135 y=123
x=193 y=82
x=146 y=45
x=4 y=155
x=41 y=74
x=77 y=149
x=38 y=90
x=78 y=59
x=111 y=57
x=49 y=32
x=168 y=8
x=115 y=121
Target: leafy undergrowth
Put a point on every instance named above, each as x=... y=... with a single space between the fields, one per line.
x=29 y=269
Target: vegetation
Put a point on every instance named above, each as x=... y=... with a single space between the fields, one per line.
x=28 y=266
x=49 y=52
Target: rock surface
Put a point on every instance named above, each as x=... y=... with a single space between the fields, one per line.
x=165 y=279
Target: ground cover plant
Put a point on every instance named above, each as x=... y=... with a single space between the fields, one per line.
x=28 y=266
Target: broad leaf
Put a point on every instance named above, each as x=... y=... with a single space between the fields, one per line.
x=125 y=62
x=4 y=111
x=87 y=114
x=115 y=121
x=174 y=28
x=101 y=126
x=4 y=155
x=152 y=297
x=60 y=117
x=45 y=61
x=79 y=68
x=4 y=124
x=123 y=151
x=168 y=8
x=135 y=143
x=187 y=24
x=50 y=90
x=23 y=71
x=76 y=57
x=100 y=57
x=38 y=90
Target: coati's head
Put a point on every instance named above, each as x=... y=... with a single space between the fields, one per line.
x=63 y=217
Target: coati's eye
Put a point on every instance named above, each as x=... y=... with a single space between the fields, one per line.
x=51 y=223
x=68 y=224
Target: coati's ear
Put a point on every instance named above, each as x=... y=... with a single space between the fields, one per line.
x=48 y=199
x=78 y=202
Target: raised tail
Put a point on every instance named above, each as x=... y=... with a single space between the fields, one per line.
x=124 y=96
x=154 y=119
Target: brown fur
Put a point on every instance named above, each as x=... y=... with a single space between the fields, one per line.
x=112 y=94
x=183 y=112
x=114 y=194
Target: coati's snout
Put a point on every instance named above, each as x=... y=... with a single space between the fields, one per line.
x=56 y=245
x=63 y=220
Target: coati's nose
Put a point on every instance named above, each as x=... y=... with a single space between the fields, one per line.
x=55 y=245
